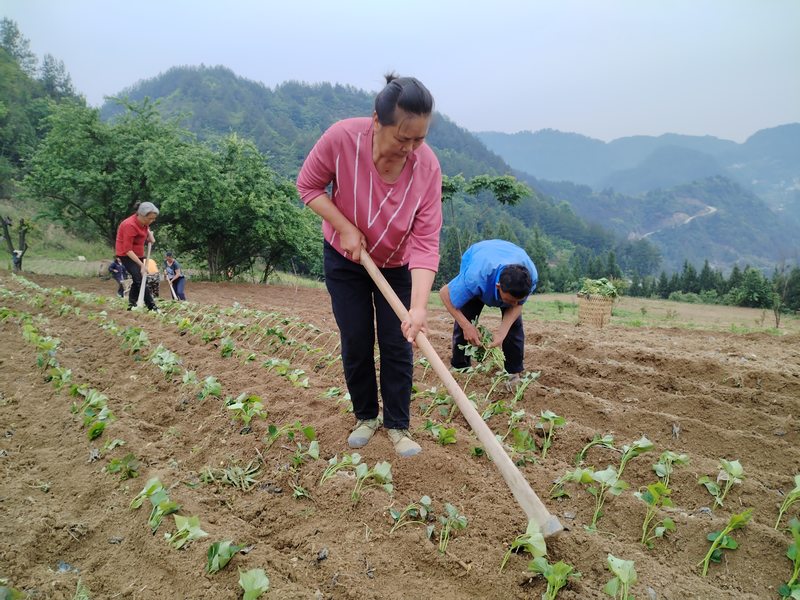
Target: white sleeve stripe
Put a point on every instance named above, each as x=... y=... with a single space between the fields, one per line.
x=397 y=210
x=405 y=235
x=355 y=182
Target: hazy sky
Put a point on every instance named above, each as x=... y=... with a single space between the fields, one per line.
x=603 y=68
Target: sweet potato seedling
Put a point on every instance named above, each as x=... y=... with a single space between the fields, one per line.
x=731 y=472
x=242 y=478
x=59 y=377
x=548 y=421
x=187 y=530
x=379 y=475
x=791 y=589
x=211 y=387
x=523 y=383
x=348 y=461
x=451 y=521
x=633 y=450
x=437 y=398
x=254 y=583
x=604 y=441
x=290 y=430
x=578 y=475
x=655 y=496
x=227 y=347
x=791 y=498
x=609 y=483
x=720 y=540
x=167 y=361
x=127 y=466
x=556 y=575
x=415 y=513
x=299 y=492
x=443 y=435
x=301 y=454
x=190 y=378
x=134 y=339
x=220 y=554
x=532 y=542
x=246 y=406
x=624 y=578
x=161 y=507
x=666 y=464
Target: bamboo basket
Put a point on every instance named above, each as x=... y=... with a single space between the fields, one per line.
x=594 y=310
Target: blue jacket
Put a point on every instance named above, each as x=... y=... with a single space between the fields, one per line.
x=481 y=267
x=117 y=270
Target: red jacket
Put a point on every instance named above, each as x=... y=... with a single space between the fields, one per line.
x=131 y=235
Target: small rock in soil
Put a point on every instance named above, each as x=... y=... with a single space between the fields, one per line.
x=322 y=555
x=271 y=488
x=115 y=540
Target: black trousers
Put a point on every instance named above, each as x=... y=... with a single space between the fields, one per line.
x=358 y=306
x=136 y=277
x=513 y=345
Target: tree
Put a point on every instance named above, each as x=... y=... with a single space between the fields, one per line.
x=90 y=173
x=505 y=188
x=663 y=285
x=706 y=280
x=227 y=208
x=17 y=46
x=689 y=282
x=54 y=78
x=755 y=290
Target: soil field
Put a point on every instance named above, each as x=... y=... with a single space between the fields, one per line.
x=64 y=517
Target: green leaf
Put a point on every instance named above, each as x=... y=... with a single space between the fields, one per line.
x=623 y=569
x=254 y=583
x=220 y=554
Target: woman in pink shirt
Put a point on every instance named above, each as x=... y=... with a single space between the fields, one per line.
x=385 y=199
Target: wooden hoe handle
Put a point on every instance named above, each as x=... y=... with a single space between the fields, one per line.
x=526 y=497
x=140 y=300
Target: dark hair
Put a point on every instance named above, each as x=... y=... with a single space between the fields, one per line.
x=406 y=93
x=516 y=280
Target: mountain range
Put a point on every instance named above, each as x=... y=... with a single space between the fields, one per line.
x=767 y=163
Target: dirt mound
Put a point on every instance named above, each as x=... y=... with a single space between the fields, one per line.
x=63 y=517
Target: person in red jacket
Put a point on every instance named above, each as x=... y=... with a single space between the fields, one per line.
x=132 y=234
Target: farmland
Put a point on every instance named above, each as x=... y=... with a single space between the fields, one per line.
x=709 y=392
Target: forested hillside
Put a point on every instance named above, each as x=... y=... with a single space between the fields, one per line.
x=712 y=219
x=286 y=121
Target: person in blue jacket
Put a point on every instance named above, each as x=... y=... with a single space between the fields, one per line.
x=174 y=275
x=119 y=273
x=493 y=273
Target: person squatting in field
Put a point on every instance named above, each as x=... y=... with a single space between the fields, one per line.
x=493 y=273
x=132 y=234
x=385 y=200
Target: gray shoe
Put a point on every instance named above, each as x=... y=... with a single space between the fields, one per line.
x=512 y=382
x=403 y=444
x=363 y=432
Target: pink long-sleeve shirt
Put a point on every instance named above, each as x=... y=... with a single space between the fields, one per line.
x=401 y=220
